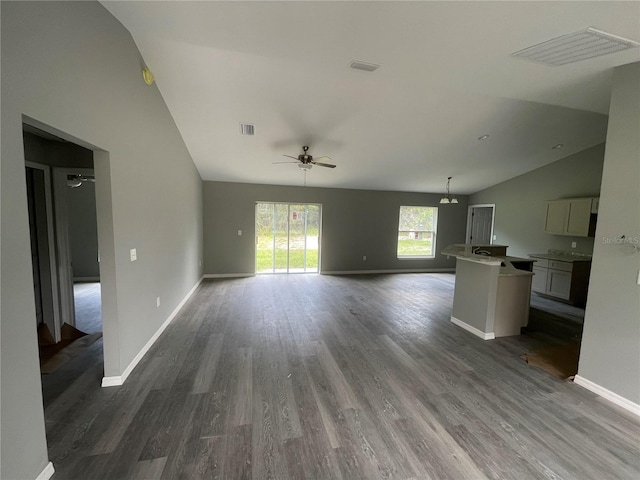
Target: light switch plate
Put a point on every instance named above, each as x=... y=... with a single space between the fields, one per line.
x=133 y=254
x=239 y=233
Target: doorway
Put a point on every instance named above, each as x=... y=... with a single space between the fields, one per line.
x=480 y=224
x=61 y=200
x=288 y=237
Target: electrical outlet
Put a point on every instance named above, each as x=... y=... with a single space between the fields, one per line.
x=495 y=237
x=574 y=244
x=133 y=254
x=364 y=257
x=157 y=301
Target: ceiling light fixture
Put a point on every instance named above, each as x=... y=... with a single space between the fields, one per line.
x=483 y=137
x=557 y=147
x=448 y=198
x=575 y=47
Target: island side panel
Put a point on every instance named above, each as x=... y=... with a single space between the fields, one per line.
x=474 y=298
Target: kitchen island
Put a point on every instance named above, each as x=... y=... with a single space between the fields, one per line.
x=491 y=297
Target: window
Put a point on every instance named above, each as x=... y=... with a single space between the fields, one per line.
x=417 y=232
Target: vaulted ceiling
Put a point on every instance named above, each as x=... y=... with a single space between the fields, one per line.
x=447 y=77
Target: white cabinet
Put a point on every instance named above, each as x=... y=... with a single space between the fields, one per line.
x=552 y=278
x=571 y=216
x=559 y=283
x=539 y=282
x=556 y=218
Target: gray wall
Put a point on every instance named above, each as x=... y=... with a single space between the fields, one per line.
x=610 y=352
x=354 y=223
x=520 y=202
x=83 y=231
x=72 y=66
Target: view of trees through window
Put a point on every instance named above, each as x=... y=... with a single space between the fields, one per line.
x=417 y=231
x=287 y=237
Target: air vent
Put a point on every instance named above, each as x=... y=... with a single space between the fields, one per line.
x=367 y=67
x=247 y=129
x=576 y=47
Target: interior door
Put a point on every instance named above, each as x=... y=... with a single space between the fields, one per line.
x=481 y=231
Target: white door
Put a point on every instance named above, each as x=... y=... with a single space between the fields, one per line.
x=481 y=225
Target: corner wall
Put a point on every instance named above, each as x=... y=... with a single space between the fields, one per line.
x=354 y=223
x=610 y=352
x=74 y=67
x=521 y=202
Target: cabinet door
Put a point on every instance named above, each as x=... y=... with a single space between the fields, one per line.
x=539 y=282
x=556 y=217
x=559 y=284
x=578 y=217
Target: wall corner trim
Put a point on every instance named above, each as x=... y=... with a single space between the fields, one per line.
x=47 y=472
x=228 y=275
x=608 y=395
x=474 y=330
x=117 y=380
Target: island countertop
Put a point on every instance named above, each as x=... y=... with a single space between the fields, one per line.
x=507 y=268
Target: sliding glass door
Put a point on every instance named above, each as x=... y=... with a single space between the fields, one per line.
x=287 y=237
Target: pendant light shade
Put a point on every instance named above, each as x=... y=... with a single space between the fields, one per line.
x=448 y=198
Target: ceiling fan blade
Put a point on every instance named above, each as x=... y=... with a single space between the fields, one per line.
x=320 y=164
x=322 y=159
x=276 y=163
x=290 y=156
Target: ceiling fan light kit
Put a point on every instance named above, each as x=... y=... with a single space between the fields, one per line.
x=306 y=161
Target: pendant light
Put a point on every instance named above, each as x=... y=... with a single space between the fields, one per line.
x=448 y=198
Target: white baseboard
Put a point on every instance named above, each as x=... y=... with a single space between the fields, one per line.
x=608 y=394
x=474 y=330
x=85 y=279
x=399 y=270
x=116 y=380
x=228 y=275
x=47 y=473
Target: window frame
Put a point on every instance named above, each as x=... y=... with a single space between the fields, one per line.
x=432 y=232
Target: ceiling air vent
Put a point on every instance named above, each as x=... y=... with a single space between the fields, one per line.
x=247 y=129
x=367 y=67
x=575 y=47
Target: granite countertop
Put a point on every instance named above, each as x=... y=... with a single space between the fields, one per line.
x=562 y=257
x=506 y=267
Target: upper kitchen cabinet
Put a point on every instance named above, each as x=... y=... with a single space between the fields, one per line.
x=571 y=216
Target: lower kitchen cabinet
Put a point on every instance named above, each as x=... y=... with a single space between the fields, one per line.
x=563 y=280
x=559 y=283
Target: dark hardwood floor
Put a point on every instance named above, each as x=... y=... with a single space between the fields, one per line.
x=319 y=377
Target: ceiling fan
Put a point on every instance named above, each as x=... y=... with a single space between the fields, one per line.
x=305 y=161
x=74 y=181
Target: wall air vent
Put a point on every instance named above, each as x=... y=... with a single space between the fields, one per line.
x=367 y=67
x=575 y=47
x=247 y=129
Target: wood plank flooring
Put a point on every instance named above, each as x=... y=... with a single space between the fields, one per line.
x=321 y=377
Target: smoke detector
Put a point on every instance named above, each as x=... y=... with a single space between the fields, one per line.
x=575 y=47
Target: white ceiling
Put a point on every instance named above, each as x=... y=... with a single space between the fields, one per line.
x=447 y=78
